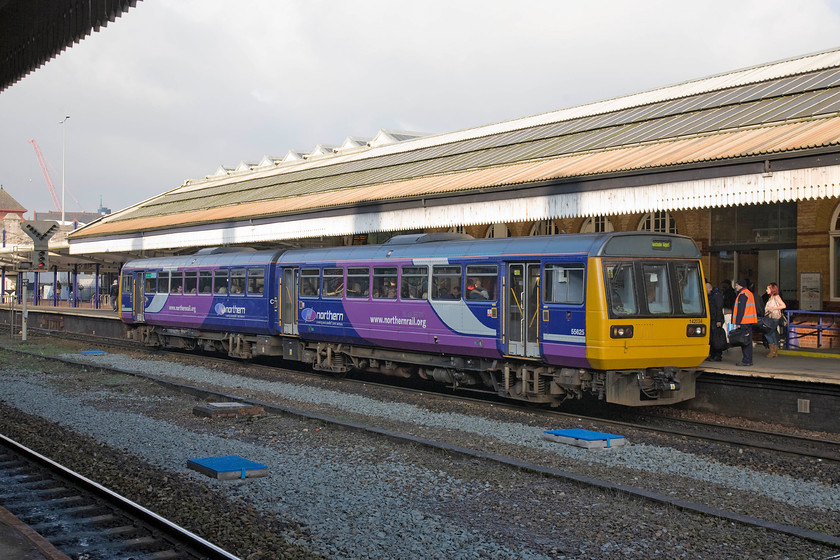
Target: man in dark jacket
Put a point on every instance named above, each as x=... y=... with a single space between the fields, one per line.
x=729 y=296
x=114 y=294
x=715 y=323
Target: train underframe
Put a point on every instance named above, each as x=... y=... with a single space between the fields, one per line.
x=524 y=380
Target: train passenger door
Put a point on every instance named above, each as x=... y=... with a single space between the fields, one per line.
x=522 y=309
x=289 y=301
x=138 y=296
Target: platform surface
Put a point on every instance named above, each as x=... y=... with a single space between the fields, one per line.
x=19 y=542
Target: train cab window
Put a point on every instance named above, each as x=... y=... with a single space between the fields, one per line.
x=482 y=281
x=415 y=282
x=256 y=281
x=621 y=291
x=237 y=281
x=309 y=280
x=385 y=282
x=690 y=283
x=151 y=282
x=564 y=283
x=163 y=283
x=189 y=281
x=205 y=282
x=657 y=292
x=176 y=284
x=446 y=282
x=334 y=282
x=220 y=282
x=358 y=282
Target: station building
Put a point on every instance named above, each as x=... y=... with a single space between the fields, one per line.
x=747 y=163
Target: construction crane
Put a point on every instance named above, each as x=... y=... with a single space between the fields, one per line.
x=46 y=172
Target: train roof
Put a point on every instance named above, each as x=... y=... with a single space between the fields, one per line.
x=209 y=258
x=434 y=246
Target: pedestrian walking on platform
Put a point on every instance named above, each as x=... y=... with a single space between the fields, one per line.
x=773 y=313
x=717 y=336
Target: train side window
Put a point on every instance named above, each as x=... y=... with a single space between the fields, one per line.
x=657 y=288
x=190 y=281
x=691 y=288
x=205 y=282
x=415 y=282
x=151 y=282
x=309 y=279
x=564 y=283
x=446 y=282
x=358 y=282
x=385 y=282
x=126 y=283
x=334 y=282
x=220 y=282
x=621 y=289
x=176 y=284
x=256 y=281
x=237 y=281
x=163 y=283
x=482 y=281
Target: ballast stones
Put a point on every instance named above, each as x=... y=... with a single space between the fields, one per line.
x=584 y=438
x=229 y=467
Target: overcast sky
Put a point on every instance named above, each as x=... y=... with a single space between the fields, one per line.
x=175 y=88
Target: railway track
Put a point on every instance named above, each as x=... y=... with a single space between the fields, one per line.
x=82 y=519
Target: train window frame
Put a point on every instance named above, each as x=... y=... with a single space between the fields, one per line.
x=617 y=297
x=255 y=285
x=310 y=282
x=205 y=279
x=414 y=280
x=150 y=282
x=445 y=278
x=333 y=282
x=564 y=272
x=190 y=282
x=220 y=281
x=657 y=293
x=385 y=282
x=358 y=274
x=487 y=276
x=127 y=283
x=176 y=282
x=163 y=282
x=699 y=309
x=238 y=282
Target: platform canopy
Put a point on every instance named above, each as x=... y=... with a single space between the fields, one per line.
x=763 y=134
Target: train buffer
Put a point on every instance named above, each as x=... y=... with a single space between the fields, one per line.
x=229 y=467
x=584 y=438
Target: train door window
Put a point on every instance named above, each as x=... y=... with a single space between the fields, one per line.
x=309 y=281
x=621 y=291
x=334 y=282
x=163 y=283
x=691 y=288
x=482 y=282
x=564 y=283
x=126 y=283
x=415 y=282
x=237 y=281
x=385 y=282
x=190 y=281
x=358 y=282
x=657 y=292
x=220 y=282
x=256 y=281
x=176 y=284
x=151 y=282
x=205 y=282
x=446 y=282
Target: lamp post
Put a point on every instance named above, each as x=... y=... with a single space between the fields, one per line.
x=63 y=146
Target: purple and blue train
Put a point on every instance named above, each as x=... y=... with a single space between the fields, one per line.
x=622 y=315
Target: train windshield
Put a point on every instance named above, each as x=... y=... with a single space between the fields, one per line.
x=654 y=289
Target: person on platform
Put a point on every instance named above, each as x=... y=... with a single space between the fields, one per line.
x=773 y=311
x=729 y=296
x=114 y=294
x=744 y=317
x=717 y=337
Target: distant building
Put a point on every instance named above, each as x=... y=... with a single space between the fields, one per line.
x=11 y=214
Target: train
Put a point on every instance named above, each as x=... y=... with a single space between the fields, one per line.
x=620 y=317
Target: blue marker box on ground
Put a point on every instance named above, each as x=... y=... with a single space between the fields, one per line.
x=228 y=468
x=584 y=438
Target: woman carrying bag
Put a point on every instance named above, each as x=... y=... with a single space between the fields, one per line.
x=772 y=315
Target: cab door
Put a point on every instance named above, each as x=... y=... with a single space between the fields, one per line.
x=289 y=301
x=138 y=296
x=522 y=295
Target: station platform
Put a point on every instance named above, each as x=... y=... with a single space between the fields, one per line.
x=790 y=365
x=19 y=542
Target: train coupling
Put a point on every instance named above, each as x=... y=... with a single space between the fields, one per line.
x=659 y=380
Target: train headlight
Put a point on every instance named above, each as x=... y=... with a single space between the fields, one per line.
x=695 y=330
x=621 y=331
